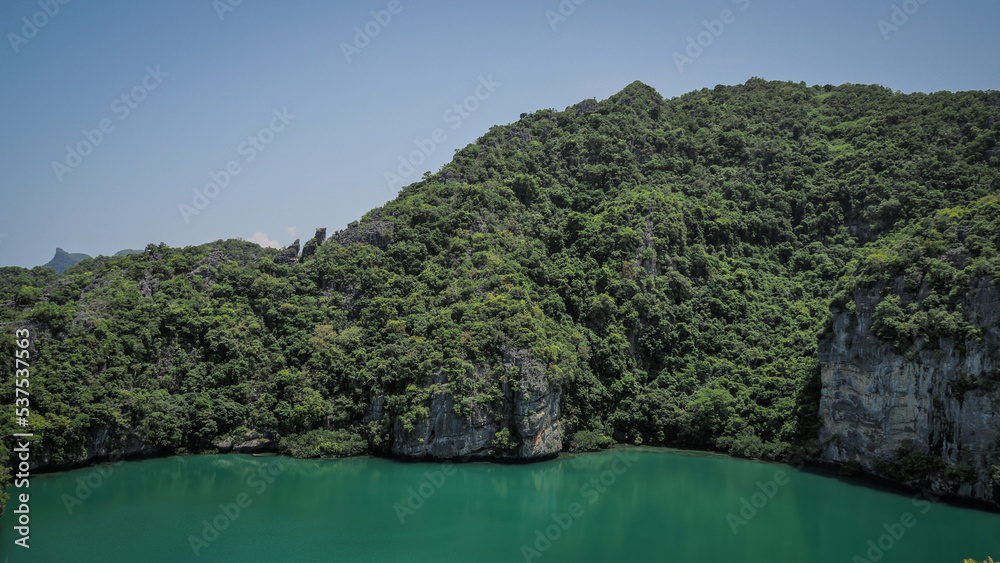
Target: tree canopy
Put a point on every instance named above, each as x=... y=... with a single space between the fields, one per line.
x=671 y=263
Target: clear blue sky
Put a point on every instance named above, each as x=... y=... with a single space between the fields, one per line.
x=220 y=80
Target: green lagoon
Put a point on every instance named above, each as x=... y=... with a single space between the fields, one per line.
x=625 y=504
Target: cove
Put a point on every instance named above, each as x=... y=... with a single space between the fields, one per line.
x=624 y=504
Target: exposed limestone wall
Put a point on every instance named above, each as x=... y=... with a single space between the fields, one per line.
x=531 y=413
x=875 y=400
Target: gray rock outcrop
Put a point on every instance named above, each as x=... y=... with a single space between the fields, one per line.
x=875 y=399
x=376 y=232
x=314 y=243
x=288 y=256
x=530 y=413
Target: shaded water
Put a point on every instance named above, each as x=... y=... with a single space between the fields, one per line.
x=620 y=505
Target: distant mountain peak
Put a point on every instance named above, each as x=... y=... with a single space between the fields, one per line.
x=63 y=260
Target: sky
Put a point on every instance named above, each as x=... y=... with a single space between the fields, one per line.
x=124 y=123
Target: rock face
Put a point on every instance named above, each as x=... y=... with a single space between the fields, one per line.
x=530 y=414
x=310 y=248
x=98 y=447
x=288 y=256
x=376 y=232
x=207 y=266
x=875 y=400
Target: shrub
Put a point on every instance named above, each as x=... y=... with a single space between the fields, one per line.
x=589 y=441
x=503 y=442
x=323 y=443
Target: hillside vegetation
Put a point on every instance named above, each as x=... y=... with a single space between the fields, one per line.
x=671 y=263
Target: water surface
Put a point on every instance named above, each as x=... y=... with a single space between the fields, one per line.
x=621 y=505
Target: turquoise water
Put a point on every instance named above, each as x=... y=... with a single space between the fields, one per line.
x=621 y=505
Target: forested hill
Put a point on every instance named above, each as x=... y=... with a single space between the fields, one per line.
x=647 y=270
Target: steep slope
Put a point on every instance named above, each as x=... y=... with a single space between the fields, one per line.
x=657 y=271
x=911 y=367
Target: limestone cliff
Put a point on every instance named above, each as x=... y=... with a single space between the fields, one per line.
x=935 y=397
x=289 y=255
x=528 y=411
x=313 y=245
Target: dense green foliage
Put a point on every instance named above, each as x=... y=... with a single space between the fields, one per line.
x=589 y=441
x=321 y=443
x=671 y=263
x=935 y=259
